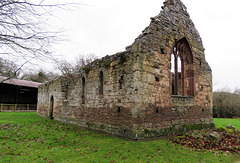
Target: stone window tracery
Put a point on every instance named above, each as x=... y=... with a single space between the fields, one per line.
x=182 y=69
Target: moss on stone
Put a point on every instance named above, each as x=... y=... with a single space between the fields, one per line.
x=106 y=64
x=180 y=27
x=122 y=58
x=184 y=128
x=150 y=133
x=102 y=127
x=86 y=70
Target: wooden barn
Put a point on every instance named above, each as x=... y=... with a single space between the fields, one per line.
x=18 y=95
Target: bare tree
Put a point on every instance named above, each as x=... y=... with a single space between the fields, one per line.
x=72 y=68
x=66 y=68
x=83 y=60
x=23 y=30
x=8 y=68
x=236 y=91
x=39 y=76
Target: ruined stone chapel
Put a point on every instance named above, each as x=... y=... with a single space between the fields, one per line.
x=161 y=84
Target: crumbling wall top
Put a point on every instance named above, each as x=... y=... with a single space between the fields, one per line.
x=177 y=3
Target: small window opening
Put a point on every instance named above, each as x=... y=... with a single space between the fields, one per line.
x=121 y=82
x=157 y=79
x=83 y=90
x=162 y=51
x=118 y=109
x=202 y=110
x=157 y=111
x=101 y=83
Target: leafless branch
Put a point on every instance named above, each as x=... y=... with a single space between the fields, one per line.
x=73 y=68
x=24 y=34
x=7 y=67
x=23 y=31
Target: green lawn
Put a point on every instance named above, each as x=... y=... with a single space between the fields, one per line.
x=220 y=122
x=25 y=137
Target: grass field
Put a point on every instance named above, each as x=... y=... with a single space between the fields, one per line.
x=25 y=137
x=220 y=122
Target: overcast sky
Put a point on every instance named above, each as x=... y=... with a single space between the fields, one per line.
x=106 y=27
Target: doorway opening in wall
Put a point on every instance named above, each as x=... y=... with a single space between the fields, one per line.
x=182 y=71
x=51 y=108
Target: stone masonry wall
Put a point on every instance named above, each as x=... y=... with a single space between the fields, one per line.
x=137 y=100
x=46 y=91
x=155 y=43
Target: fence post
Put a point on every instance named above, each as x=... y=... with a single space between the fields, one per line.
x=15 y=107
x=2 y=107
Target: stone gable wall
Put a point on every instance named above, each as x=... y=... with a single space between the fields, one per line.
x=137 y=100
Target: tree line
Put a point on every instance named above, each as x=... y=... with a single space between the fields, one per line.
x=10 y=69
x=226 y=104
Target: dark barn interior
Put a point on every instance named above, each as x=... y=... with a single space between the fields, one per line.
x=18 y=94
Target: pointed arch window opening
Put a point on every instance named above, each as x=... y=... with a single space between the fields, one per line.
x=182 y=69
x=51 y=107
x=101 y=83
x=83 y=90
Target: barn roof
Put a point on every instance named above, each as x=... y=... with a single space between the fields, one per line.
x=18 y=82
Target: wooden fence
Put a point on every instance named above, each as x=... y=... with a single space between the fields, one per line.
x=18 y=107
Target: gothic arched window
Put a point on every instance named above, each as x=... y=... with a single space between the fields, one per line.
x=182 y=69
